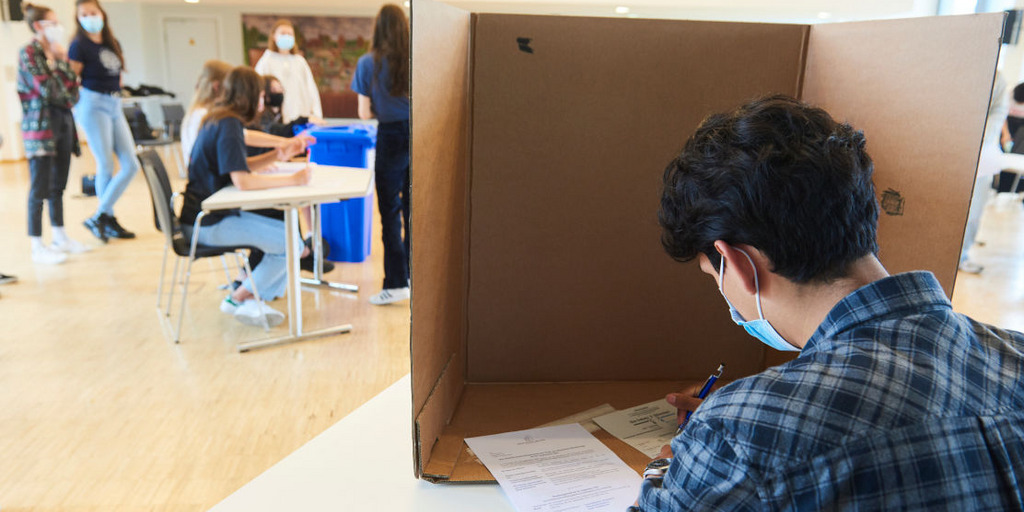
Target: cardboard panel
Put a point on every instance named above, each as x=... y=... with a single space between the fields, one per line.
x=439 y=182
x=574 y=121
x=919 y=89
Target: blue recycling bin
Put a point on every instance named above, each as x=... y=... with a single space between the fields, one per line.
x=346 y=224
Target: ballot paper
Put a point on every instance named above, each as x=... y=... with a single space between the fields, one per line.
x=645 y=427
x=584 y=418
x=287 y=167
x=557 y=469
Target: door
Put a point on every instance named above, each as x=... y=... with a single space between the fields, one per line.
x=188 y=43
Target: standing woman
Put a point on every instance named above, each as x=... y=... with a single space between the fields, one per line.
x=47 y=88
x=382 y=81
x=284 y=60
x=96 y=56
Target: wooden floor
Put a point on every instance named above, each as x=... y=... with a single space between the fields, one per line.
x=99 y=412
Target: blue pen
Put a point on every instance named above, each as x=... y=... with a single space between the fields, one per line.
x=702 y=394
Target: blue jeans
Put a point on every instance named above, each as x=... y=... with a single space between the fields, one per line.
x=392 y=179
x=263 y=233
x=106 y=131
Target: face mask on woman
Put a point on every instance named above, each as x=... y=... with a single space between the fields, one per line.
x=275 y=99
x=54 y=33
x=285 y=41
x=91 y=24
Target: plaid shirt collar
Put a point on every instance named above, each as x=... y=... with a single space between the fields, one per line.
x=909 y=292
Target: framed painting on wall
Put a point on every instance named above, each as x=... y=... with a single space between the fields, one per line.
x=331 y=45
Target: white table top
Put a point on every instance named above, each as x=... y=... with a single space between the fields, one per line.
x=329 y=183
x=362 y=462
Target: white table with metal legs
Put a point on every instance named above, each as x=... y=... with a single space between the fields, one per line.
x=329 y=183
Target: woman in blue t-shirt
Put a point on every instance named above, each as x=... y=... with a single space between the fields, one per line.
x=96 y=56
x=219 y=160
x=382 y=81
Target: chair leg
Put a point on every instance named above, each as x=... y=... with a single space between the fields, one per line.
x=173 y=283
x=163 y=277
x=227 y=272
x=184 y=297
x=255 y=290
x=188 y=273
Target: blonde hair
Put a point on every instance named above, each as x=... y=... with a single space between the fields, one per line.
x=272 y=43
x=210 y=84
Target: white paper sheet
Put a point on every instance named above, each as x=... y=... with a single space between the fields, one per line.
x=286 y=167
x=557 y=469
x=645 y=427
x=584 y=418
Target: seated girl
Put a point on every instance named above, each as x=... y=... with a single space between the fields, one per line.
x=219 y=160
x=209 y=87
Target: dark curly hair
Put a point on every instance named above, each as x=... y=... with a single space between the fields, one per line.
x=778 y=175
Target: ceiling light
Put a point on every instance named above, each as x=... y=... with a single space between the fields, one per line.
x=191 y=1
x=407 y=4
x=621 y=9
x=824 y=15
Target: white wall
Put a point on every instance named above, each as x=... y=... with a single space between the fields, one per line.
x=139 y=27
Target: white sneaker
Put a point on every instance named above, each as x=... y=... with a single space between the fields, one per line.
x=48 y=256
x=253 y=312
x=389 y=295
x=69 y=246
x=229 y=306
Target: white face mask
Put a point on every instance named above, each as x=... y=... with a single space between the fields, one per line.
x=760 y=328
x=92 y=24
x=54 y=33
x=285 y=41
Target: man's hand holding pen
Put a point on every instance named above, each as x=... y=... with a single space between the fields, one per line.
x=688 y=400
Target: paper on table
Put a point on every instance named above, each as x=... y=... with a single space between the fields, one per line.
x=286 y=167
x=557 y=469
x=645 y=427
x=584 y=418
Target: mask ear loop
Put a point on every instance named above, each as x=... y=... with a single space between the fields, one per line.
x=757 y=286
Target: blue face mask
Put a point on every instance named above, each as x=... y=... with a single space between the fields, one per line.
x=759 y=328
x=91 y=24
x=285 y=41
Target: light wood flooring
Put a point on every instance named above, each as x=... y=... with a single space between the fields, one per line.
x=99 y=412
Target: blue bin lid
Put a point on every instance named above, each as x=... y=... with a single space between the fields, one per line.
x=348 y=133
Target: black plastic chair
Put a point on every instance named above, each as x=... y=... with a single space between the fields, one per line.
x=174 y=116
x=174 y=236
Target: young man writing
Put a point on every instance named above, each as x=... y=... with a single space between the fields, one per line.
x=895 y=402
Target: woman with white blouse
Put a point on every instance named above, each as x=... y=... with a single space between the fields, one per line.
x=284 y=61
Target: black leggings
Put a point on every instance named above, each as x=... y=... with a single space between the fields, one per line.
x=48 y=175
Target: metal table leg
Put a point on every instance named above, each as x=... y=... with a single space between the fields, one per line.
x=318 y=257
x=291 y=230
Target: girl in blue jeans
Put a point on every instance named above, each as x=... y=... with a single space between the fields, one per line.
x=95 y=55
x=219 y=160
x=382 y=82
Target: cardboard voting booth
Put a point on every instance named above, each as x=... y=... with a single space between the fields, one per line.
x=539 y=143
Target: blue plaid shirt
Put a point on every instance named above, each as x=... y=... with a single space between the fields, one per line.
x=895 y=403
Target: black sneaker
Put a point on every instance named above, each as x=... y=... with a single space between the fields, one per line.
x=7 y=279
x=307 y=264
x=114 y=230
x=97 y=226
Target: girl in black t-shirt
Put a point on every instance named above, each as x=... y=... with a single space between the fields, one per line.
x=219 y=160
x=95 y=54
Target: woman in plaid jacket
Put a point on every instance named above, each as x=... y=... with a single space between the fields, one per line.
x=48 y=88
